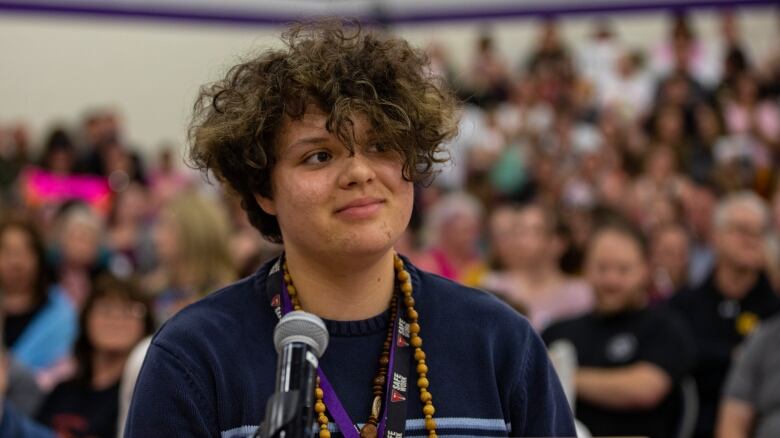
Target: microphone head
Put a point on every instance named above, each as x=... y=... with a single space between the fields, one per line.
x=300 y=326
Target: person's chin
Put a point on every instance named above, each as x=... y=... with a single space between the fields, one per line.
x=367 y=246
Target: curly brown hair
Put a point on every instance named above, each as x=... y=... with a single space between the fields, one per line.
x=344 y=71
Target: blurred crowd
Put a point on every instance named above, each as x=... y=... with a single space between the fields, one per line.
x=626 y=201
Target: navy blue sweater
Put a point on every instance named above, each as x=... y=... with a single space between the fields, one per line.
x=211 y=368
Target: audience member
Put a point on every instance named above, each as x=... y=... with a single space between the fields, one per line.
x=731 y=303
x=531 y=277
x=453 y=228
x=79 y=252
x=191 y=243
x=115 y=318
x=669 y=254
x=751 y=395
x=40 y=323
x=631 y=357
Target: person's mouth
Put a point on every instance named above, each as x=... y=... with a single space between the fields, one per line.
x=360 y=208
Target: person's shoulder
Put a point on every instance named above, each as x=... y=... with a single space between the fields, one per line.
x=769 y=330
x=58 y=299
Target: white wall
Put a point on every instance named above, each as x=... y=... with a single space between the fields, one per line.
x=55 y=68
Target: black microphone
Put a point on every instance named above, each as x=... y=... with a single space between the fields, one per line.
x=300 y=339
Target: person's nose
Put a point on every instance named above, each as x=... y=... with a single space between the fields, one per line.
x=358 y=170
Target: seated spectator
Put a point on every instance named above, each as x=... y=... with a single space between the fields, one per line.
x=631 y=357
x=115 y=318
x=710 y=137
x=698 y=201
x=747 y=114
x=532 y=278
x=79 y=254
x=166 y=180
x=59 y=155
x=732 y=301
x=669 y=253
x=751 y=396
x=488 y=76
x=453 y=231
x=129 y=232
x=191 y=240
x=40 y=322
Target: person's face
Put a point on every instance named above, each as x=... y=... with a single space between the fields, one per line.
x=617 y=271
x=503 y=222
x=532 y=236
x=699 y=205
x=132 y=204
x=18 y=262
x=115 y=325
x=707 y=122
x=461 y=232
x=329 y=202
x=747 y=90
x=80 y=243
x=60 y=161
x=670 y=252
x=670 y=125
x=661 y=164
x=739 y=242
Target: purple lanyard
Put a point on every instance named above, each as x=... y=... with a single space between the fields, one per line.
x=395 y=397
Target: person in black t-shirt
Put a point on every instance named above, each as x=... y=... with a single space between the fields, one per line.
x=736 y=297
x=116 y=316
x=631 y=357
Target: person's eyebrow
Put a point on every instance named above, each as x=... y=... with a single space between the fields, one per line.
x=308 y=141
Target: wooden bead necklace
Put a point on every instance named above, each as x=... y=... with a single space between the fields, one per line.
x=369 y=430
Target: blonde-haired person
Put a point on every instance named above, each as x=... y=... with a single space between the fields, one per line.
x=191 y=239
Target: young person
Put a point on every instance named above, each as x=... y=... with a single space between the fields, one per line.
x=324 y=140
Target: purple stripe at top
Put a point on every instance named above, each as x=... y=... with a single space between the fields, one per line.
x=245 y=17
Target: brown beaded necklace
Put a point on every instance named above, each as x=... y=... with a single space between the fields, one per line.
x=369 y=430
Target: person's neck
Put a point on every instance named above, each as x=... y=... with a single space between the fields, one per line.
x=107 y=368
x=18 y=300
x=343 y=290
x=734 y=282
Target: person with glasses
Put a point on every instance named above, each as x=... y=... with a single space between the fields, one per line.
x=115 y=318
x=732 y=302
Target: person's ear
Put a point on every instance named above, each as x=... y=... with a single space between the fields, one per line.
x=267 y=204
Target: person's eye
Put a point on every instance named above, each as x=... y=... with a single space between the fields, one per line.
x=318 y=158
x=378 y=147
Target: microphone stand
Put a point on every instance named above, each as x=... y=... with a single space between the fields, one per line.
x=280 y=417
x=289 y=412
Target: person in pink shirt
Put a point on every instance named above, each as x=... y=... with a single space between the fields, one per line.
x=531 y=277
